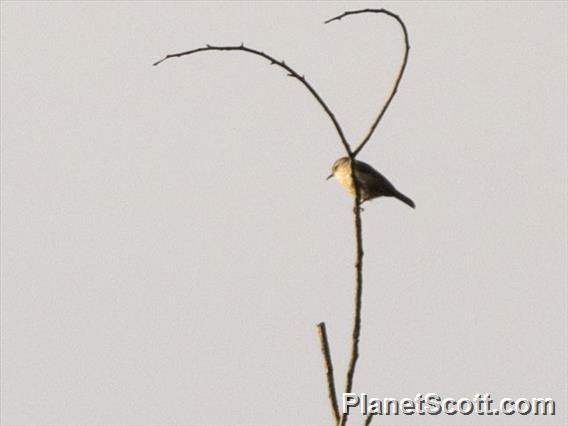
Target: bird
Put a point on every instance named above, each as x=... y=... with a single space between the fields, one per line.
x=372 y=184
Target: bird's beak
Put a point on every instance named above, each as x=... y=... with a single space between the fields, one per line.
x=329 y=177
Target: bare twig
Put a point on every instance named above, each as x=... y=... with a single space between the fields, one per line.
x=369 y=419
x=400 y=73
x=340 y=420
x=329 y=371
x=273 y=61
x=358 y=288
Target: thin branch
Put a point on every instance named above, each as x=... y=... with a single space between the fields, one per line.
x=273 y=61
x=369 y=419
x=358 y=288
x=400 y=73
x=329 y=371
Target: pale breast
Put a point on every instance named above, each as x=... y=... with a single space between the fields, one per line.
x=343 y=176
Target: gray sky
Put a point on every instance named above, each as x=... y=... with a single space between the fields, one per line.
x=169 y=240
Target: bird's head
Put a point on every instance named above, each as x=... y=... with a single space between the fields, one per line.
x=338 y=164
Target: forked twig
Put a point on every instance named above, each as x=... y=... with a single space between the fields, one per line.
x=340 y=419
x=400 y=73
x=357 y=212
x=329 y=371
x=281 y=64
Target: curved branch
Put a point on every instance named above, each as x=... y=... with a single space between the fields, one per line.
x=400 y=73
x=357 y=214
x=281 y=64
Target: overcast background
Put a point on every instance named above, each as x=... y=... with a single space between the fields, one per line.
x=169 y=241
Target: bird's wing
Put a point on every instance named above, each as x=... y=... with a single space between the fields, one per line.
x=367 y=168
x=378 y=181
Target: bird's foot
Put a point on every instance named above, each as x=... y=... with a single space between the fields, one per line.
x=360 y=207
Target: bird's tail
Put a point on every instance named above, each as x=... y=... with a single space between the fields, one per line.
x=404 y=199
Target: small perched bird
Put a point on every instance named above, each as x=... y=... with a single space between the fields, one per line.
x=372 y=184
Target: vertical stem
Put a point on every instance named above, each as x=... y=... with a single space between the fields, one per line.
x=358 y=288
